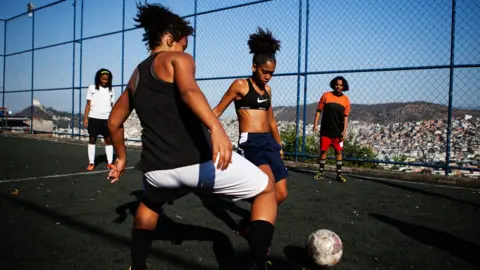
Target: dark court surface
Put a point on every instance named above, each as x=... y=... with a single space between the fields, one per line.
x=54 y=215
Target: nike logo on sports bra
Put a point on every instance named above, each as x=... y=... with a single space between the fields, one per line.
x=253 y=100
x=261 y=100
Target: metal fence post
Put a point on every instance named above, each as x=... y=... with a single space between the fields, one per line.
x=123 y=46
x=304 y=141
x=450 y=90
x=195 y=27
x=299 y=64
x=4 y=67
x=73 y=64
x=80 y=72
x=33 y=75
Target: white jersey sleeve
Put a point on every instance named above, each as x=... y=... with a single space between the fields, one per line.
x=90 y=92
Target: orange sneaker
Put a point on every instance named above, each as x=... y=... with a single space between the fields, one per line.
x=90 y=167
x=110 y=166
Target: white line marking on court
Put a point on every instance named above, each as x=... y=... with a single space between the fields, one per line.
x=56 y=176
x=67 y=142
x=359 y=177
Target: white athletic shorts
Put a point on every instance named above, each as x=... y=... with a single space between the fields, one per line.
x=241 y=180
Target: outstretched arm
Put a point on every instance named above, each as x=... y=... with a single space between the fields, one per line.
x=228 y=97
x=184 y=75
x=120 y=113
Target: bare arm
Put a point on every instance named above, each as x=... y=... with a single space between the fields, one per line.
x=274 y=130
x=273 y=122
x=120 y=113
x=345 y=119
x=85 y=115
x=184 y=76
x=228 y=97
x=320 y=106
x=345 y=126
x=274 y=127
x=315 y=122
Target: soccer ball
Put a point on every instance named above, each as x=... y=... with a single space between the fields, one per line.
x=324 y=247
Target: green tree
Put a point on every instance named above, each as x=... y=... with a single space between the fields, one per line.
x=401 y=158
x=353 y=149
x=288 y=137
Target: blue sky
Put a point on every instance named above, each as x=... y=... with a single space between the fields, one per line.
x=343 y=35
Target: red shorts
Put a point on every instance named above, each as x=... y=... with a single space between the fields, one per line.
x=326 y=142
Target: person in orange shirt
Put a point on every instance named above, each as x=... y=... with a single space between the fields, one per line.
x=334 y=107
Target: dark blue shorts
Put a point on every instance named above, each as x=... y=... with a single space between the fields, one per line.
x=261 y=149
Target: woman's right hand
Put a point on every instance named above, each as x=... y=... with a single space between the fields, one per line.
x=85 y=123
x=222 y=148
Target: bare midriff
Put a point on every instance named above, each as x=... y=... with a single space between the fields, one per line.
x=253 y=121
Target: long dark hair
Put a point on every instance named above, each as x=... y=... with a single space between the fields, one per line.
x=99 y=74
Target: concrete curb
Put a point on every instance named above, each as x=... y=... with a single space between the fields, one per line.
x=407 y=177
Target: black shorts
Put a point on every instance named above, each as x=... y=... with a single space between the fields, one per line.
x=261 y=149
x=98 y=127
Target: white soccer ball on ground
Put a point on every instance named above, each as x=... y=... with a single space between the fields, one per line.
x=324 y=247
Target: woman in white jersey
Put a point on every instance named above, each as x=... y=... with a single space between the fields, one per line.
x=99 y=105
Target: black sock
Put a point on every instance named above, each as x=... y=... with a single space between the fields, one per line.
x=339 y=167
x=322 y=165
x=259 y=239
x=141 y=245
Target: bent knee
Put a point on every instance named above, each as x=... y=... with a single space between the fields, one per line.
x=281 y=196
x=145 y=218
x=270 y=188
x=145 y=223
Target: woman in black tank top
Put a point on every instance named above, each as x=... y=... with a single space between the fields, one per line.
x=172 y=109
x=252 y=99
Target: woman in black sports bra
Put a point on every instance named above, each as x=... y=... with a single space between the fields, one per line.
x=259 y=136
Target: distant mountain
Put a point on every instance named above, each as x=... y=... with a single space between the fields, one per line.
x=61 y=119
x=381 y=113
x=376 y=113
x=38 y=112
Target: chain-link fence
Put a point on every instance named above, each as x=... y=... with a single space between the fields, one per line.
x=412 y=66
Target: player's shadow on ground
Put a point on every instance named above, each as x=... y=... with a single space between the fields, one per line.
x=102 y=159
x=86 y=228
x=217 y=206
x=220 y=207
x=299 y=256
x=420 y=191
x=176 y=233
x=279 y=263
x=457 y=247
